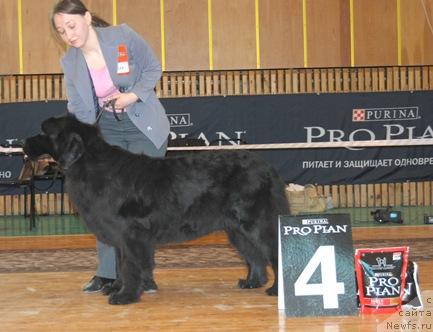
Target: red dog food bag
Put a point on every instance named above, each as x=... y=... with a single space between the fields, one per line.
x=381 y=278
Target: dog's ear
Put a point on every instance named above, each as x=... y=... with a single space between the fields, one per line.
x=71 y=151
x=50 y=126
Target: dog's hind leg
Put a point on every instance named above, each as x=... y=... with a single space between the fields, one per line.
x=273 y=290
x=255 y=261
x=269 y=248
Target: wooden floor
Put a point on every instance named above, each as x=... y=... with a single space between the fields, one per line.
x=192 y=299
x=88 y=241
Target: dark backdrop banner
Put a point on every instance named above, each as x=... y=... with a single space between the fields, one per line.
x=290 y=119
x=319 y=118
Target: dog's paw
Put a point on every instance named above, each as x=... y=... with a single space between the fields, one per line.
x=272 y=291
x=112 y=287
x=247 y=284
x=109 y=289
x=122 y=298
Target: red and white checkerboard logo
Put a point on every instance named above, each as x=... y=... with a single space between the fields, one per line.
x=358 y=115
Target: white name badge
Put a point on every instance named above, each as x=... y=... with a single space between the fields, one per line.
x=123 y=68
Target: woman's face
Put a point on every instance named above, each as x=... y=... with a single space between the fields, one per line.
x=74 y=29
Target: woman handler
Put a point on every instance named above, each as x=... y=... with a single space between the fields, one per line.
x=110 y=75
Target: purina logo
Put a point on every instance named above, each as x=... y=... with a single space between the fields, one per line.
x=317 y=221
x=180 y=120
x=382 y=264
x=183 y=121
x=385 y=114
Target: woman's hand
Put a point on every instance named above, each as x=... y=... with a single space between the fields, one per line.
x=123 y=99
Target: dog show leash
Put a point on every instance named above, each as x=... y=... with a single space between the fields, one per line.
x=105 y=106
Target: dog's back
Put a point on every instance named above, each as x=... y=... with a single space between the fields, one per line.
x=208 y=191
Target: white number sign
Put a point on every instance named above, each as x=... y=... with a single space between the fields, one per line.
x=329 y=288
x=316 y=266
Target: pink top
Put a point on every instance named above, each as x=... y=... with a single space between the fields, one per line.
x=104 y=86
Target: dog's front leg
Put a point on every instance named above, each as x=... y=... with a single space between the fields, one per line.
x=117 y=284
x=147 y=264
x=136 y=270
x=129 y=282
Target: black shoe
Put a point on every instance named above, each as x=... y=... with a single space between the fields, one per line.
x=96 y=284
x=149 y=286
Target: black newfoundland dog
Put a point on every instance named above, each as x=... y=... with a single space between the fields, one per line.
x=134 y=202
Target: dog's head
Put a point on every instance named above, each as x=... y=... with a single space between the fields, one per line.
x=63 y=138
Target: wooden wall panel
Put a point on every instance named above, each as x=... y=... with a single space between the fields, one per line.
x=234 y=33
x=41 y=50
x=9 y=57
x=234 y=38
x=417 y=36
x=375 y=32
x=102 y=8
x=143 y=17
x=186 y=34
x=15 y=88
x=281 y=37
x=329 y=41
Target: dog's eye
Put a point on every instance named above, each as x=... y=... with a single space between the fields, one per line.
x=44 y=133
x=52 y=135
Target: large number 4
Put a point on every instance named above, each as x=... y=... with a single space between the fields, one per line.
x=329 y=288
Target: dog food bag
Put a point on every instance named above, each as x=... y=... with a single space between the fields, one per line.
x=381 y=278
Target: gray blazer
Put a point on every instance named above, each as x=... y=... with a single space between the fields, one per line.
x=144 y=72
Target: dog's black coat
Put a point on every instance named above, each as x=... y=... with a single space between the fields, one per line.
x=134 y=202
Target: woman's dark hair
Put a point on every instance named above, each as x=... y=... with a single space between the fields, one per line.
x=75 y=7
